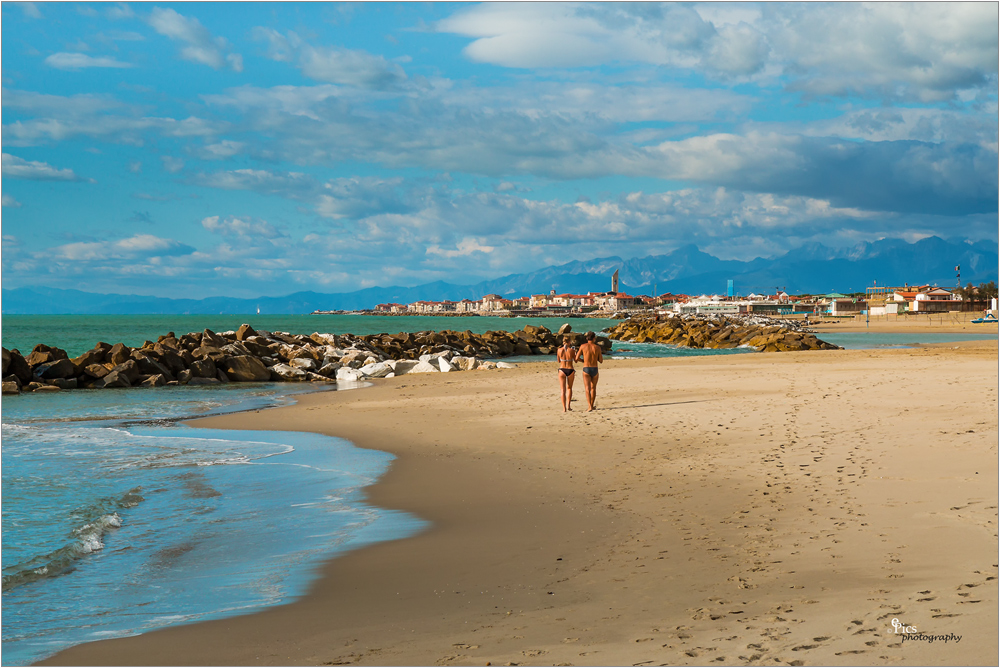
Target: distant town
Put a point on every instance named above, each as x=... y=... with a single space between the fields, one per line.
x=875 y=301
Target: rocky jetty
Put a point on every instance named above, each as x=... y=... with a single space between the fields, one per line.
x=721 y=331
x=247 y=355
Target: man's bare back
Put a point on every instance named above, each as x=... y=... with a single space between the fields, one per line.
x=592 y=355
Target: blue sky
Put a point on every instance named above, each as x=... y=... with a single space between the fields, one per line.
x=244 y=149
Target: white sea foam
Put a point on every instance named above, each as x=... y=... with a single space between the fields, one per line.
x=90 y=535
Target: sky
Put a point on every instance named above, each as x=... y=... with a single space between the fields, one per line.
x=247 y=149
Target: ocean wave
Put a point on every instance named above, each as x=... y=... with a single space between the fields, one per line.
x=86 y=539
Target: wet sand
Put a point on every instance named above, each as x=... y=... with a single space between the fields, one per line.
x=761 y=509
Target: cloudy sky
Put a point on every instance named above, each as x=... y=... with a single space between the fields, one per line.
x=243 y=149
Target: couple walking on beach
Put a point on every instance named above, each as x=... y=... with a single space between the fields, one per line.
x=591 y=355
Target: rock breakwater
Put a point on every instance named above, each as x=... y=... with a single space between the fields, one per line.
x=247 y=355
x=721 y=331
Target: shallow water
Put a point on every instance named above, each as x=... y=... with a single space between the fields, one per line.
x=153 y=523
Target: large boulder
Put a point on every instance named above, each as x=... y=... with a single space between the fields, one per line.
x=399 y=367
x=63 y=368
x=215 y=353
x=210 y=338
x=203 y=368
x=304 y=363
x=244 y=368
x=96 y=371
x=148 y=366
x=117 y=377
x=43 y=354
x=445 y=365
x=156 y=380
x=93 y=356
x=15 y=364
x=377 y=370
x=284 y=372
x=329 y=370
x=424 y=367
x=348 y=374
x=465 y=363
x=118 y=354
x=236 y=348
x=11 y=387
x=244 y=332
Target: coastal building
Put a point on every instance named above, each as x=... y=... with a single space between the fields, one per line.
x=927 y=299
x=539 y=301
x=391 y=308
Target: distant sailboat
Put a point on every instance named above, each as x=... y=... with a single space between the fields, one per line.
x=258 y=310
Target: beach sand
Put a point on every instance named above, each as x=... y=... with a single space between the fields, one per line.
x=747 y=509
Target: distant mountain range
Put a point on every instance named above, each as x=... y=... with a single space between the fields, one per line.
x=812 y=268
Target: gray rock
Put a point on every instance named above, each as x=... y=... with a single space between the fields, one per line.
x=114 y=378
x=376 y=370
x=304 y=363
x=63 y=368
x=10 y=387
x=14 y=363
x=347 y=374
x=118 y=354
x=203 y=368
x=284 y=372
x=96 y=370
x=245 y=332
x=244 y=368
x=204 y=381
x=157 y=380
x=330 y=370
x=425 y=367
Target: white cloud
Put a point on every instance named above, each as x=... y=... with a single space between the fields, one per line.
x=294 y=185
x=908 y=51
x=250 y=228
x=464 y=248
x=135 y=247
x=18 y=168
x=10 y=202
x=221 y=150
x=120 y=11
x=199 y=44
x=135 y=166
x=76 y=61
x=330 y=63
x=30 y=10
x=171 y=164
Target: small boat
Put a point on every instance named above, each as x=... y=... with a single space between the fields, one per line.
x=986 y=319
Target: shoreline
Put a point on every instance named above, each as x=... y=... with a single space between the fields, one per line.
x=525 y=501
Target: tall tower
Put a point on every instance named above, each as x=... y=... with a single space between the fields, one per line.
x=614 y=282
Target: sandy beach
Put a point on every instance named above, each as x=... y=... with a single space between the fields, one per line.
x=759 y=509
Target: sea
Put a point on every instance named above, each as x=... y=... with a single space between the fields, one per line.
x=110 y=500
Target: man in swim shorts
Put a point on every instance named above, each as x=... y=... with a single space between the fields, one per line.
x=592 y=355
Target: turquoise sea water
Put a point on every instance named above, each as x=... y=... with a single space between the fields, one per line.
x=78 y=333
x=147 y=522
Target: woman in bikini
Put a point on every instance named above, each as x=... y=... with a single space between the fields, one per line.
x=565 y=355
